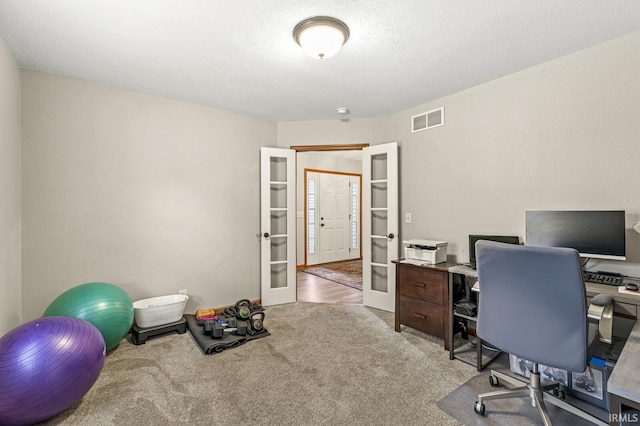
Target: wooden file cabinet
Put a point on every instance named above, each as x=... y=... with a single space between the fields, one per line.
x=422 y=300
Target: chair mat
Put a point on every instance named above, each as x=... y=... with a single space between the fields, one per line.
x=459 y=404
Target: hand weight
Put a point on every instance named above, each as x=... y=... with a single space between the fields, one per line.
x=243 y=310
x=217 y=331
x=241 y=328
x=256 y=322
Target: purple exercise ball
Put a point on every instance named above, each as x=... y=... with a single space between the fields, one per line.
x=46 y=366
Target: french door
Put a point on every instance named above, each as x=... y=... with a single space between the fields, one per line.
x=277 y=226
x=379 y=225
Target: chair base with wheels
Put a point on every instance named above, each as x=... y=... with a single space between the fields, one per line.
x=536 y=391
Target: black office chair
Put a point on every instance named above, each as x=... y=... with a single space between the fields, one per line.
x=533 y=305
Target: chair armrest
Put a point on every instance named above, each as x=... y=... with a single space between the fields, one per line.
x=601 y=310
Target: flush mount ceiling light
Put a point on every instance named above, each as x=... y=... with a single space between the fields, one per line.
x=321 y=36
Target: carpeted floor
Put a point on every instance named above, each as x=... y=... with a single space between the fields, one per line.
x=506 y=412
x=323 y=364
x=347 y=273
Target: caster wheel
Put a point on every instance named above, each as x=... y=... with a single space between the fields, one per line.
x=479 y=408
x=494 y=382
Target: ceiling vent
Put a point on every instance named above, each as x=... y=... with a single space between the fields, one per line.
x=427 y=120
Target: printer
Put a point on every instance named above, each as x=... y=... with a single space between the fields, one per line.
x=426 y=251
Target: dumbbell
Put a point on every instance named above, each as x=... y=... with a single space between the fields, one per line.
x=217 y=331
x=207 y=326
x=241 y=329
x=235 y=326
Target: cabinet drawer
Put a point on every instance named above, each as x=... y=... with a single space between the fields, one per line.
x=421 y=315
x=422 y=284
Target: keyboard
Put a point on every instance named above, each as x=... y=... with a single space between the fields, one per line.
x=607 y=278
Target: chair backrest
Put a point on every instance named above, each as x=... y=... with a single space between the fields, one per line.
x=533 y=303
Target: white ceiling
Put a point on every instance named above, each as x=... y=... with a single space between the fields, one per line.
x=239 y=55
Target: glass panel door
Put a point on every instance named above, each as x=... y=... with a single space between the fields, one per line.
x=380 y=224
x=277 y=192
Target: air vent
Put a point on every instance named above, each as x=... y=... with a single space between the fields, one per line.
x=427 y=120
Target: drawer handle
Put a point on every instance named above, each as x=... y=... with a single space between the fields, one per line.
x=419 y=284
x=417 y=315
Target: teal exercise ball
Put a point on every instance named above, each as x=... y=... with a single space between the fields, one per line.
x=106 y=306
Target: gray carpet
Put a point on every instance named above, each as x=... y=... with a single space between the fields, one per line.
x=507 y=412
x=322 y=365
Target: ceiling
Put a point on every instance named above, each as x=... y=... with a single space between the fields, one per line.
x=240 y=55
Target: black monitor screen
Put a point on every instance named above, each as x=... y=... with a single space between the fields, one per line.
x=499 y=238
x=598 y=233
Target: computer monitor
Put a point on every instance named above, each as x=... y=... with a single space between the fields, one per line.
x=499 y=238
x=595 y=233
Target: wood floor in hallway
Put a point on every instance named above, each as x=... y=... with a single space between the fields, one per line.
x=319 y=290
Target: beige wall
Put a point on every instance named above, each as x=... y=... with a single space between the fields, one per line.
x=157 y=195
x=561 y=135
x=10 y=217
x=148 y=193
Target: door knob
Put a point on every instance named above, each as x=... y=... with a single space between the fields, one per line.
x=391 y=236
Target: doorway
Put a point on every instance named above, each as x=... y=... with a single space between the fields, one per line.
x=279 y=212
x=332 y=204
x=336 y=166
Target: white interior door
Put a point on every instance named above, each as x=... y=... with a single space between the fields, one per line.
x=379 y=225
x=277 y=226
x=334 y=217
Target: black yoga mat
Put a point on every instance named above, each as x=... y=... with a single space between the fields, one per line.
x=213 y=346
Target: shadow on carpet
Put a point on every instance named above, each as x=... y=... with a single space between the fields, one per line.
x=513 y=411
x=347 y=273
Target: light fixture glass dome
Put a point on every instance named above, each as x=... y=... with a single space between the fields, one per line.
x=321 y=36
